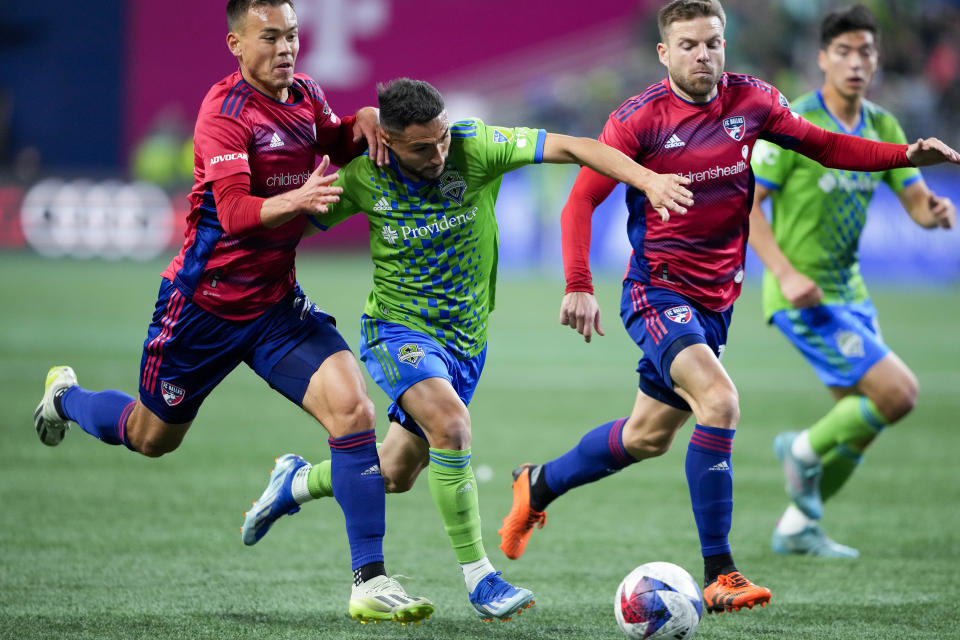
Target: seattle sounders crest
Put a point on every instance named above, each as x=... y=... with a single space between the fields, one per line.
x=452 y=186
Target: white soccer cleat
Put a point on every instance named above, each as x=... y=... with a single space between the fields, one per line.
x=382 y=598
x=50 y=425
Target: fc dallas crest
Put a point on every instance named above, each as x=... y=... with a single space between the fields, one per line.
x=735 y=126
x=680 y=315
x=172 y=394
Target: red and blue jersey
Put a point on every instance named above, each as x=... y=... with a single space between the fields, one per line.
x=240 y=130
x=699 y=254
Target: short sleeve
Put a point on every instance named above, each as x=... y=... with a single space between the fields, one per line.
x=504 y=148
x=620 y=136
x=344 y=208
x=783 y=127
x=771 y=165
x=222 y=142
x=897 y=179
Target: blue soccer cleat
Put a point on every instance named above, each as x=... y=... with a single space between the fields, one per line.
x=275 y=501
x=811 y=541
x=494 y=597
x=803 y=479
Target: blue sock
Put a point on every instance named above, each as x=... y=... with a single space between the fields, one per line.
x=102 y=414
x=710 y=479
x=599 y=454
x=358 y=488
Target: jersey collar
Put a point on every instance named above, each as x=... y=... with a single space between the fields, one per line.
x=856 y=131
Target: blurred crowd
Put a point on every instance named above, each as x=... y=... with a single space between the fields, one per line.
x=778 y=40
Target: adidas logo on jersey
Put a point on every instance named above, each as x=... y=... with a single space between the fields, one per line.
x=275 y=141
x=382 y=205
x=674 y=142
x=720 y=466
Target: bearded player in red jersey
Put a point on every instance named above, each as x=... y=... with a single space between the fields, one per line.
x=683 y=277
x=231 y=294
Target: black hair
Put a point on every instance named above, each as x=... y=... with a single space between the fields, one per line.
x=404 y=102
x=855 y=18
x=237 y=9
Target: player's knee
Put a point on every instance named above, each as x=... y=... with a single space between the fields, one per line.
x=356 y=415
x=397 y=482
x=900 y=399
x=646 y=438
x=154 y=447
x=452 y=432
x=720 y=406
x=645 y=446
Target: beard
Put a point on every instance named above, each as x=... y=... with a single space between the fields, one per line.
x=697 y=86
x=420 y=175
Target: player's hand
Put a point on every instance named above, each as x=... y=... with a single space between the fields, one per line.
x=931 y=151
x=943 y=211
x=580 y=311
x=666 y=192
x=367 y=126
x=800 y=291
x=316 y=193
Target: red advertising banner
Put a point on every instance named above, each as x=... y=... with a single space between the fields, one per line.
x=177 y=49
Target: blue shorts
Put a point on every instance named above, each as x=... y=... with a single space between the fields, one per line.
x=188 y=350
x=663 y=323
x=398 y=358
x=841 y=342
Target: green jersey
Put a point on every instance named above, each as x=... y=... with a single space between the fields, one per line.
x=819 y=213
x=434 y=243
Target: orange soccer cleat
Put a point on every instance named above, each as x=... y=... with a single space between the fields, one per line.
x=518 y=525
x=732 y=592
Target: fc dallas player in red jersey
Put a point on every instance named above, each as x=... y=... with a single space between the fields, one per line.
x=683 y=276
x=231 y=295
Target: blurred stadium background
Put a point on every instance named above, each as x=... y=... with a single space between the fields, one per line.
x=97 y=102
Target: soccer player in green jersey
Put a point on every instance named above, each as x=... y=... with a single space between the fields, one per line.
x=433 y=240
x=812 y=287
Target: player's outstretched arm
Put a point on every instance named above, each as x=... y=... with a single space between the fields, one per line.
x=580 y=311
x=665 y=192
x=925 y=152
x=312 y=197
x=799 y=290
x=927 y=208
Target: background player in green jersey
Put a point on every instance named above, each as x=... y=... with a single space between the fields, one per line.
x=433 y=240
x=813 y=290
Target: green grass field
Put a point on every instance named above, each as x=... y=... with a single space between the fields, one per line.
x=97 y=542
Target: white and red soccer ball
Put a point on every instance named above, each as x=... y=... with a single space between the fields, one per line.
x=658 y=600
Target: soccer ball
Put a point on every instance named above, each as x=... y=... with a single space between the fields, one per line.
x=658 y=600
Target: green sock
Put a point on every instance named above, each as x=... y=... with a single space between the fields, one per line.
x=454 y=491
x=853 y=420
x=318 y=480
x=838 y=465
